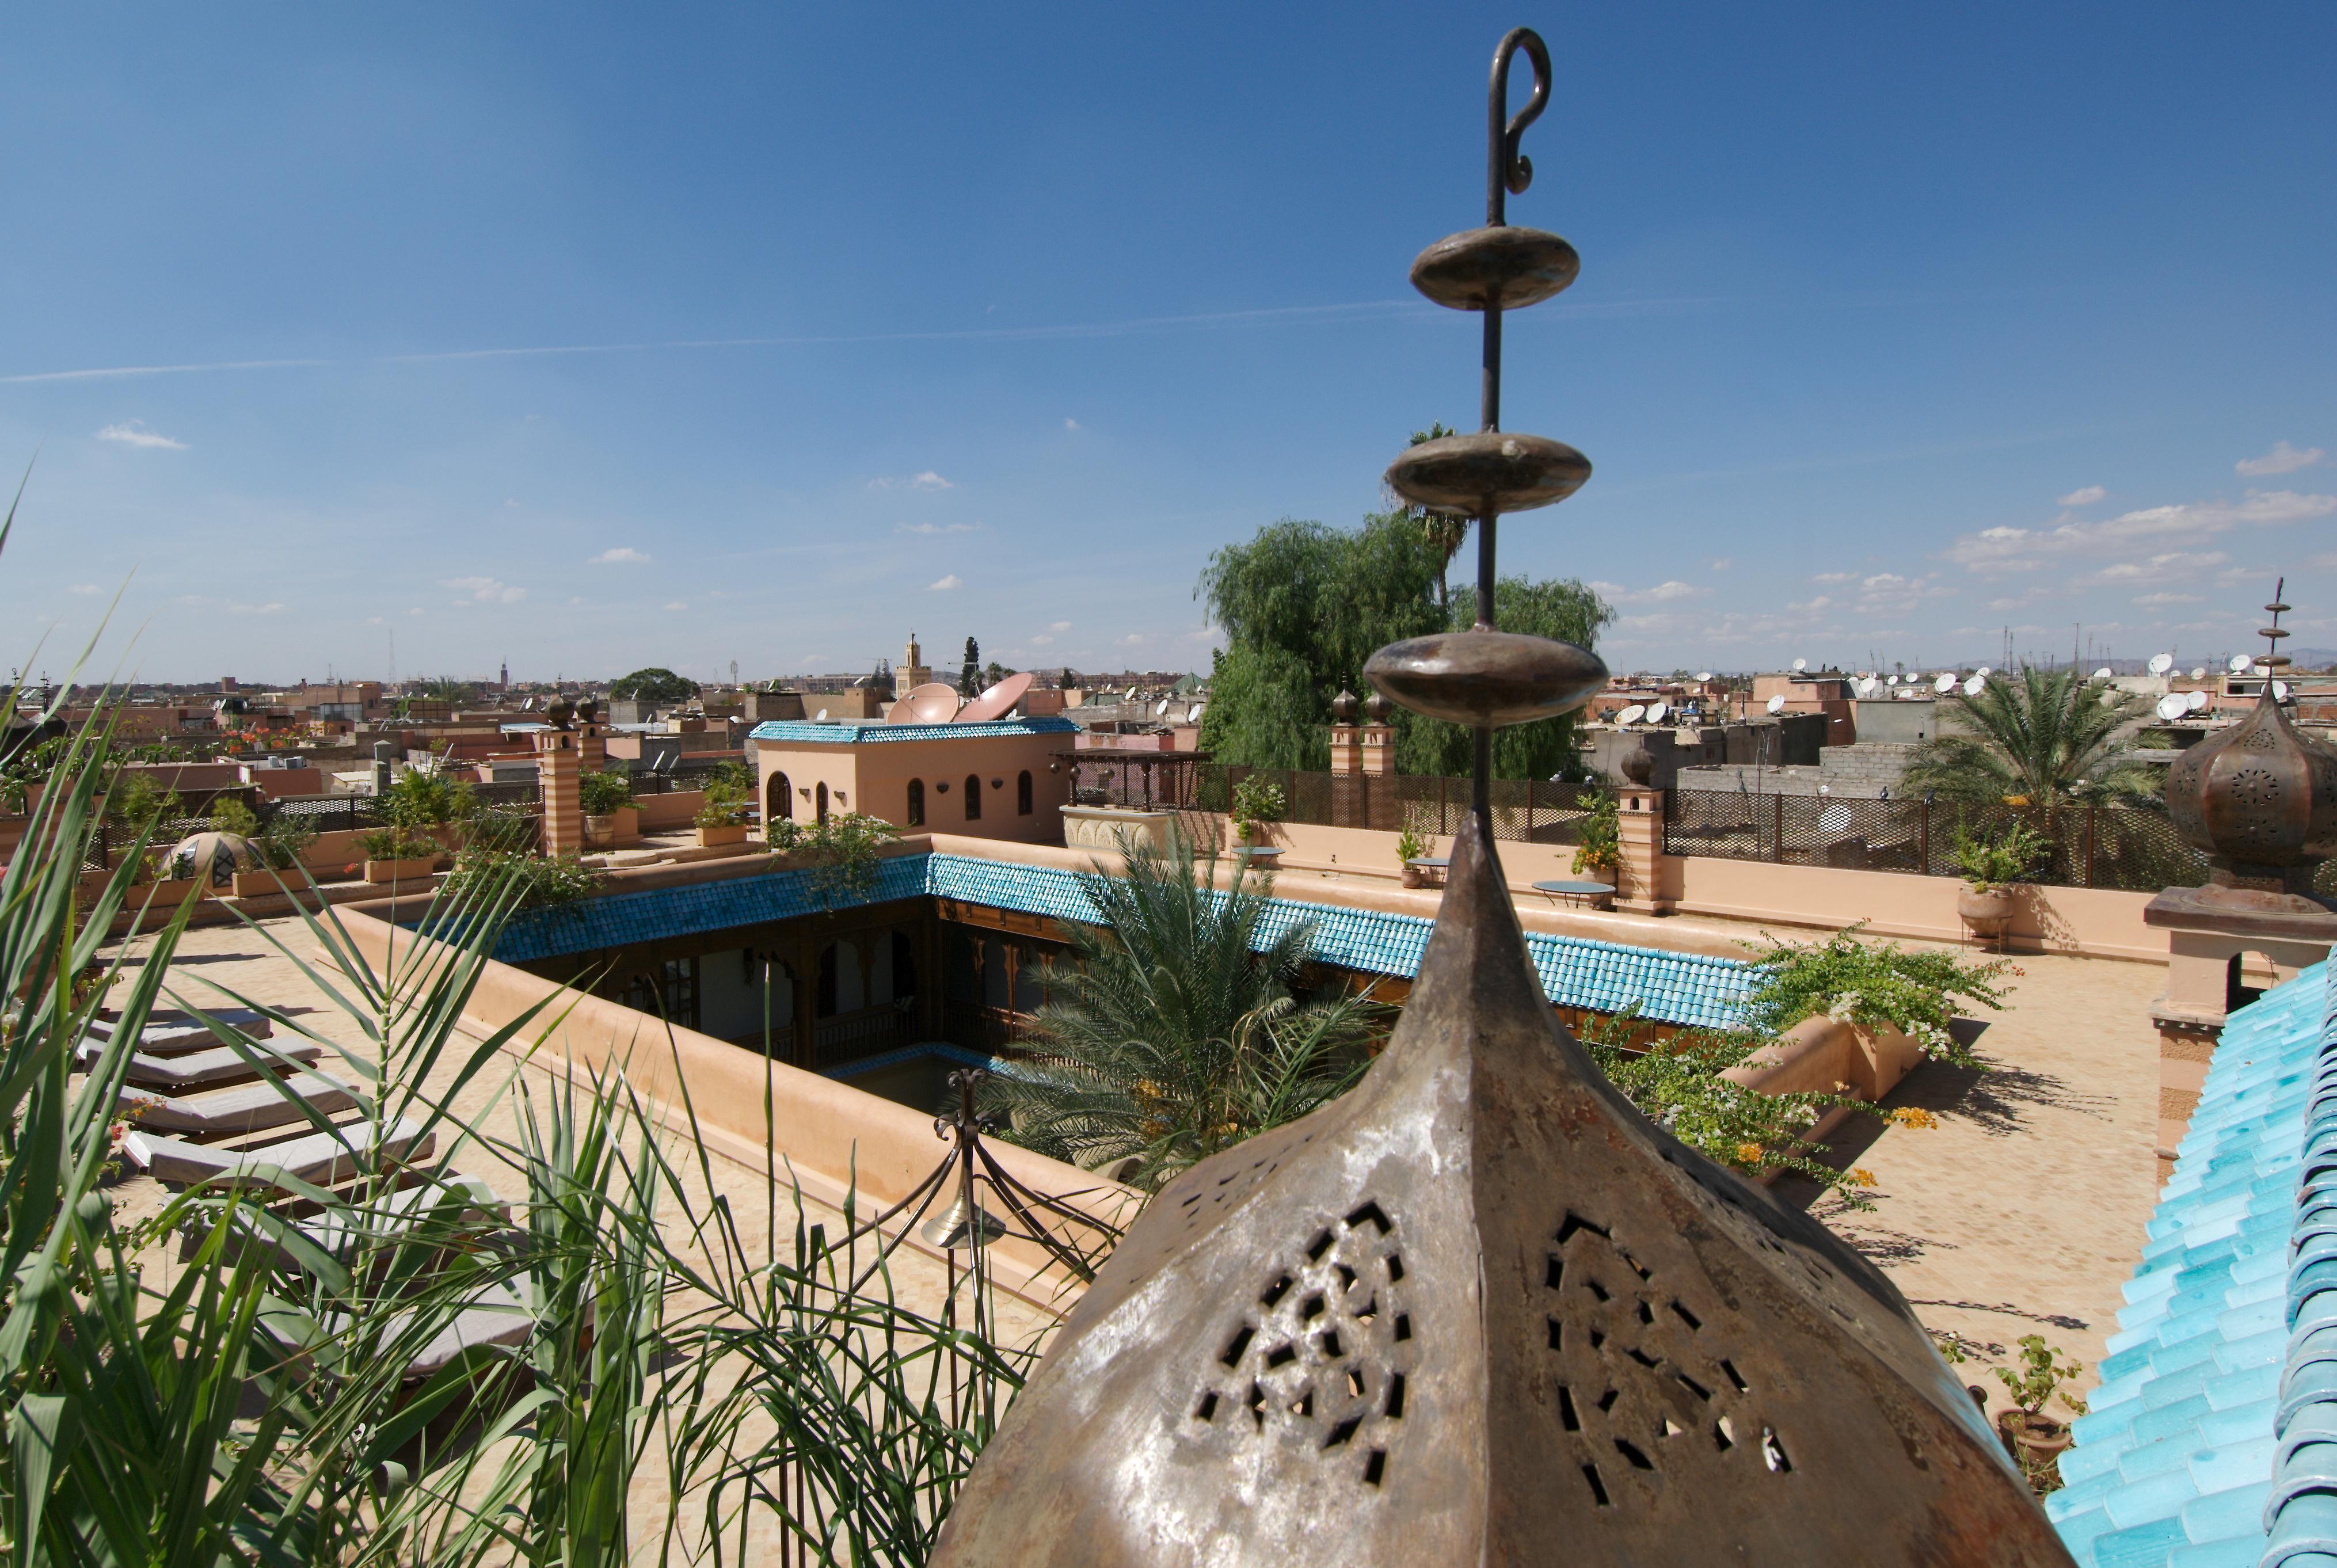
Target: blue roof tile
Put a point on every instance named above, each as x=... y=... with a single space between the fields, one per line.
x=2212 y=1440
x=802 y=731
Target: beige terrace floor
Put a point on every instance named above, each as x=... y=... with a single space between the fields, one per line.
x=2020 y=1212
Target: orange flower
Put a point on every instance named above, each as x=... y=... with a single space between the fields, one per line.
x=1914 y=1116
x=1748 y=1153
x=1860 y=1176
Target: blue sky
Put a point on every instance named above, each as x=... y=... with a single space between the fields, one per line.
x=589 y=337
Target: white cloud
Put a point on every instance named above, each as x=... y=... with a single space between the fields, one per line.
x=134 y=432
x=2158 y=601
x=270 y=608
x=417 y=609
x=945 y=584
x=1059 y=626
x=1661 y=593
x=84 y=588
x=623 y=555
x=1833 y=576
x=2132 y=534
x=930 y=528
x=928 y=480
x=1073 y=425
x=2085 y=497
x=2156 y=568
x=1130 y=641
x=2282 y=459
x=676 y=604
x=1722 y=565
x=1041 y=642
x=376 y=621
x=484 y=590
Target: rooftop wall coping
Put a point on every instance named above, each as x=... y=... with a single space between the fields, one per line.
x=862 y=732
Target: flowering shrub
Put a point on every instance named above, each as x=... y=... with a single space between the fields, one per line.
x=1870 y=984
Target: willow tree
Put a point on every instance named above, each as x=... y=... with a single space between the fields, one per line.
x=1304 y=605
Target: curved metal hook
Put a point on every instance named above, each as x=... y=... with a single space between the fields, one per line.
x=1508 y=169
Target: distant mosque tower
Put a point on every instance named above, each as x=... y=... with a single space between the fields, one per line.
x=913 y=670
x=503 y=676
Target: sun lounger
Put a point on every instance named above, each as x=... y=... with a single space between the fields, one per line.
x=321 y=1159
x=215 y=1068
x=174 y=1035
x=250 y=1108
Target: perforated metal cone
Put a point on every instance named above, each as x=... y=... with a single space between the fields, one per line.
x=1481 y=1311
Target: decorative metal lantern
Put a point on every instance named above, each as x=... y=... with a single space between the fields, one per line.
x=1480 y=1310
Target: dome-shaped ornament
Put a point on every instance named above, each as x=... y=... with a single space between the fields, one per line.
x=1377 y=707
x=1640 y=765
x=2259 y=798
x=1342 y=707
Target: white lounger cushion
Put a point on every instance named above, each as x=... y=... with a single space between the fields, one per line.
x=221 y=1066
x=170 y=1037
x=320 y=1158
x=246 y=1108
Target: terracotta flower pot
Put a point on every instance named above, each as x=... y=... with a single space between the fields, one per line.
x=264 y=884
x=1413 y=877
x=2036 y=1438
x=1987 y=914
x=728 y=833
x=392 y=872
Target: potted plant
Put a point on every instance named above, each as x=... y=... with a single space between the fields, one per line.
x=1992 y=868
x=2030 y=1435
x=606 y=798
x=279 y=846
x=170 y=876
x=1410 y=846
x=1600 y=853
x=1258 y=804
x=395 y=855
x=721 y=819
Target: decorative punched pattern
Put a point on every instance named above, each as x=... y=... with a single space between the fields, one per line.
x=2255 y=787
x=1646 y=1394
x=1319 y=1356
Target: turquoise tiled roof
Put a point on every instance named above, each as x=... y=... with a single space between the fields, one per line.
x=803 y=731
x=2212 y=1437
x=1602 y=977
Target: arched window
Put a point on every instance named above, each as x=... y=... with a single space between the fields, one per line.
x=972 y=797
x=1022 y=794
x=916 y=802
x=819 y=800
x=778 y=800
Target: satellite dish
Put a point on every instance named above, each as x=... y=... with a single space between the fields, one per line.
x=1834 y=818
x=1656 y=711
x=2103 y=673
x=1891 y=680
x=2173 y=707
x=1975 y=686
x=1983 y=671
x=1131 y=695
x=996 y=702
x=820 y=717
x=2160 y=663
x=2280 y=690
x=2198 y=673
x=1776 y=705
x=1800 y=665
x=2259 y=670
x=1162 y=709
x=935 y=702
x=2194 y=701
x=1194 y=716
x=1704 y=674
x=1944 y=685
x=1632 y=714
x=2240 y=662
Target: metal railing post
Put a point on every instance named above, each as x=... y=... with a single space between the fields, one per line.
x=1777 y=828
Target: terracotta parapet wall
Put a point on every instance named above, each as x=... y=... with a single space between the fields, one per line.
x=828 y=1136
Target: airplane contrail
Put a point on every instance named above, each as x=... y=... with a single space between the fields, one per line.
x=1134 y=326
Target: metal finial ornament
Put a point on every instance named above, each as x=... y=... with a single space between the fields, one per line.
x=2261 y=799
x=1483 y=677
x=965 y=1226
x=1480 y=1309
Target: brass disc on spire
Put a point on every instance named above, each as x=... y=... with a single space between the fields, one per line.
x=1506 y=267
x=1491 y=472
x=1486 y=678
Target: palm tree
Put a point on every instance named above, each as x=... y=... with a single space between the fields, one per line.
x=1443 y=529
x=2046 y=738
x=1175 y=1031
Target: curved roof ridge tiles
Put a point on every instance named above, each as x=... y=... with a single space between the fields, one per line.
x=809 y=732
x=2212 y=1438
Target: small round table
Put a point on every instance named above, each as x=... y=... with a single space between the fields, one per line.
x=1571 y=891
x=1258 y=851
